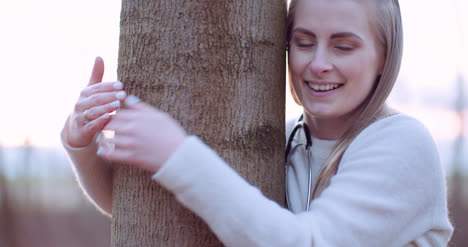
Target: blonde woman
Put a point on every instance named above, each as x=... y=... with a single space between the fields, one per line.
x=358 y=173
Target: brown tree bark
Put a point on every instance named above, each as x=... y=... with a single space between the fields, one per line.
x=218 y=67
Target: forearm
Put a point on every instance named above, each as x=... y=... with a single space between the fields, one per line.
x=363 y=203
x=235 y=211
x=93 y=174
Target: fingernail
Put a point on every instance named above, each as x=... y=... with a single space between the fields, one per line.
x=100 y=151
x=118 y=85
x=106 y=115
x=115 y=104
x=120 y=95
x=131 y=100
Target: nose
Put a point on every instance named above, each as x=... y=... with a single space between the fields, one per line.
x=320 y=63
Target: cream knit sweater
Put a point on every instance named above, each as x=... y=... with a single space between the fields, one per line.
x=389 y=191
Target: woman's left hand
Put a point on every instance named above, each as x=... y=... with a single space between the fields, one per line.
x=143 y=136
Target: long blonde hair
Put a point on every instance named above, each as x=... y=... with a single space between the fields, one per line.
x=390 y=39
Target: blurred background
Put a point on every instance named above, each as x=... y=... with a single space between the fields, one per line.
x=47 y=51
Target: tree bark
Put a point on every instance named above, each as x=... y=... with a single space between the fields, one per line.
x=218 y=67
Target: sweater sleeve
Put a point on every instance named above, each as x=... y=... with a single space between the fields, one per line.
x=389 y=191
x=94 y=174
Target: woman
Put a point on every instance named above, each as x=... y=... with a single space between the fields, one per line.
x=368 y=175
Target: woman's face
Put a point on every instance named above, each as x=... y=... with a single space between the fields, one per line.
x=334 y=58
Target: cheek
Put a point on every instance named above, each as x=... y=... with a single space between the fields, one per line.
x=297 y=62
x=357 y=70
x=294 y=69
x=295 y=81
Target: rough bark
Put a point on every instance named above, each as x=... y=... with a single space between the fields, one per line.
x=218 y=67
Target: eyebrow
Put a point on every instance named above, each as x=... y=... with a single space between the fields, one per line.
x=333 y=36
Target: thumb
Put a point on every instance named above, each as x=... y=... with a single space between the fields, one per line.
x=98 y=71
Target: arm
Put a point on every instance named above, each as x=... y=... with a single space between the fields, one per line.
x=88 y=118
x=397 y=199
x=382 y=195
x=94 y=174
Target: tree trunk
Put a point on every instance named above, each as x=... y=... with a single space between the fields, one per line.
x=218 y=67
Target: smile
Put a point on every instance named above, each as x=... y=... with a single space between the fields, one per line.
x=322 y=87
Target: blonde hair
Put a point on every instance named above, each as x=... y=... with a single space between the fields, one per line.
x=390 y=39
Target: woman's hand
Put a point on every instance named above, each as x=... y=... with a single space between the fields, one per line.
x=92 y=108
x=143 y=136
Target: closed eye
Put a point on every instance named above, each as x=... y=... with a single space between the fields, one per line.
x=305 y=44
x=344 y=48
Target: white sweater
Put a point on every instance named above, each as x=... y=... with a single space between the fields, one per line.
x=389 y=191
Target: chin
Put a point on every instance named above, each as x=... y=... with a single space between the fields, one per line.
x=321 y=114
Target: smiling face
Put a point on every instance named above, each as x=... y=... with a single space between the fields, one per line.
x=334 y=57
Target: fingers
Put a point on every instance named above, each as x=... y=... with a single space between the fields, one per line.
x=92 y=114
x=117 y=141
x=97 y=111
x=115 y=149
x=95 y=125
x=92 y=108
x=124 y=122
x=143 y=136
x=134 y=103
x=122 y=156
x=101 y=88
x=137 y=112
x=99 y=99
x=97 y=72
x=82 y=134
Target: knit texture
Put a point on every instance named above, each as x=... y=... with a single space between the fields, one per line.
x=389 y=191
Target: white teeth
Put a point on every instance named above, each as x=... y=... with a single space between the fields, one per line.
x=314 y=87
x=322 y=87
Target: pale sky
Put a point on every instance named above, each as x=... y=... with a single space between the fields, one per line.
x=48 y=47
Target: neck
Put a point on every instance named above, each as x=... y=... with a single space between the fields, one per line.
x=327 y=129
x=334 y=128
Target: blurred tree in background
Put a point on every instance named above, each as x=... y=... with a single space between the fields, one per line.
x=458 y=181
x=45 y=208
x=7 y=221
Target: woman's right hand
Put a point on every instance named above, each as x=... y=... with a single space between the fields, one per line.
x=92 y=109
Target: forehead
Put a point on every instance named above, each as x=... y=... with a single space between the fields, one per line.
x=329 y=16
